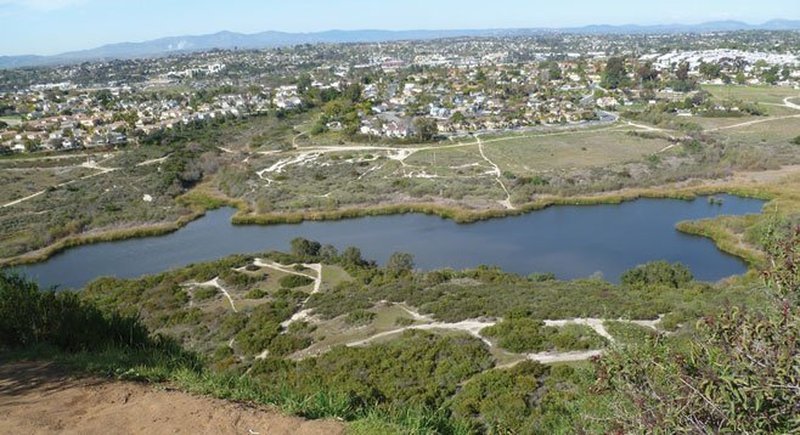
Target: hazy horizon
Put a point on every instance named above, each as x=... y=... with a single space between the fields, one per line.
x=47 y=27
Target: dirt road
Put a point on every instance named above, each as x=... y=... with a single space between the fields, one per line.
x=37 y=398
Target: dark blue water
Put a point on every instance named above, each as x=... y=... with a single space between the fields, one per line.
x=570 y=241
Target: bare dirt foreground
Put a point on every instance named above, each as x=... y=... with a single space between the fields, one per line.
x=37 y=398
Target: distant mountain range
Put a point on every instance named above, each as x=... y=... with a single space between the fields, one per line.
x=229 y=40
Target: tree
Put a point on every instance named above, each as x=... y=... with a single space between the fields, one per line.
x=457 y=118
x=682 y=73
x=304 y=84
x=646 y=73
x=353 y=92
x=553 y=69
x=426 y=129
x=400 y=262
x=328 y=253
x=352 y=255
x=304 y=248
x=771 y=75
x=786 y=73
x=710 y=70
x=615 y=74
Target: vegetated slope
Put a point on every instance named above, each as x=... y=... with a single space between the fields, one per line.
x=437 y=381
x=41 y=398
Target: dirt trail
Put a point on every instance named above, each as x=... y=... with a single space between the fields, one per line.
x=216 y=284
x=154 y=161
x=302 y=314
x=37 y=398
x=498 y=176
x=474 y=328
x=787 y=102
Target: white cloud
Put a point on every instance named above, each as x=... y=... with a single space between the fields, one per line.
x=42 y=5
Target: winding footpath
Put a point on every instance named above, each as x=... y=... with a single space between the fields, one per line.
x=498 y=175
x=787 y=102
x=302 y=314
x=474 y=328
x=215 y=284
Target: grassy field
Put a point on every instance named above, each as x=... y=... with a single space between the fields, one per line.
x=526 y=156
x=755 y=94
x=765 y=130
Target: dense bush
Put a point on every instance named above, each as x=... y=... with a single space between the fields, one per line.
x=264 y=326
x=29 y=316
x=359 y=318
x=520 y=335
x=629 y=333
x=418 y=369
x=205 y=293
x=658 y=273
x=526 y=335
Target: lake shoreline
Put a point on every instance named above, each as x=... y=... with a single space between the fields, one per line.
x=200 y=202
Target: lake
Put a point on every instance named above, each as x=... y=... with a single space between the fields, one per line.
x=570 y=241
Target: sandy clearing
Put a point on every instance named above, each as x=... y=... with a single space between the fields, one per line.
x=38 y=398
x=559 y=357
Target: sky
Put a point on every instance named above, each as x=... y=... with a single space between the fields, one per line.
x=56 y=26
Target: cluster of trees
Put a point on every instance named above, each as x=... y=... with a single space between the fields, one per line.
x=616 y=76
x=311 y=251
x=338 y=106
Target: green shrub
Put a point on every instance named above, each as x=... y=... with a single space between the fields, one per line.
x=501 y=401
x=658 y=273
x=29 y=317
x=359 y=318
x=519 y=335
x=295 y=281
x=206 y=293
x=256 y=293
x=625 y=332
x=575 y=337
